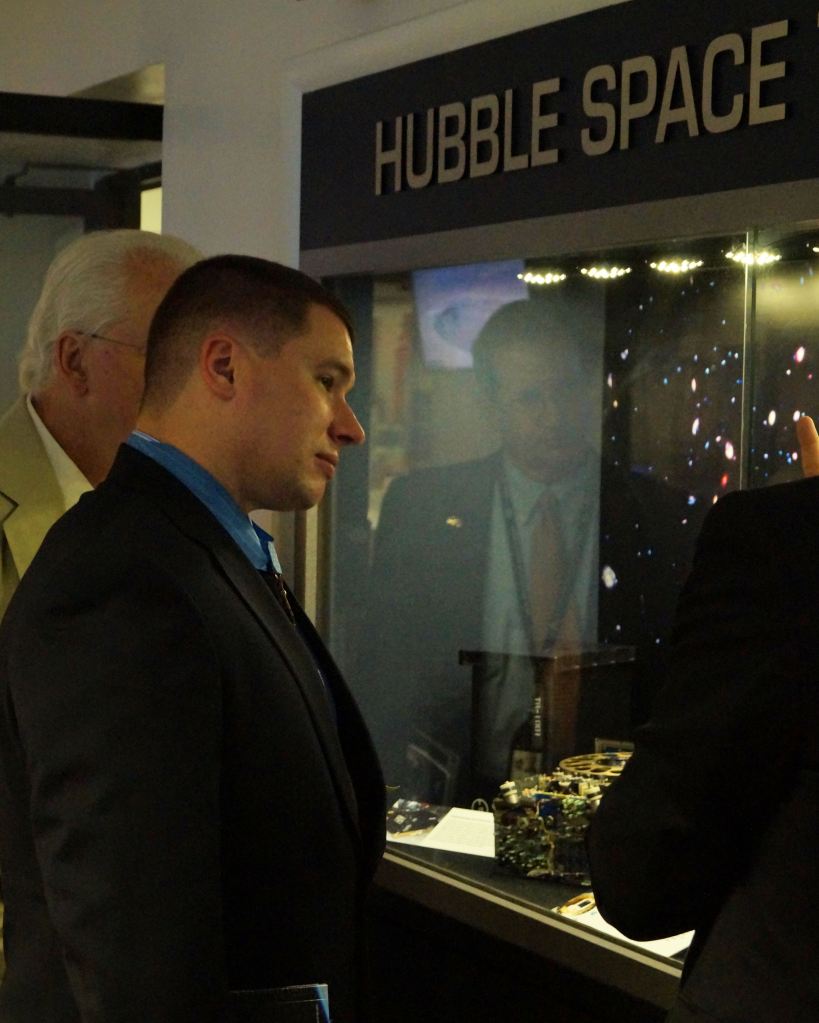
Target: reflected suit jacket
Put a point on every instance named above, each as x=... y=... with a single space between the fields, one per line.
x=428 y=584
x=189 y=801
x=30 y=497
x=712 y=825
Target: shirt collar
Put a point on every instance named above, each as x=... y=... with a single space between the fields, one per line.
x=72 y=483
x=526 y=492
x=252 y=539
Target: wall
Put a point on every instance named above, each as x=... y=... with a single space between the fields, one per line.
x=27 y=246
x=235 y=74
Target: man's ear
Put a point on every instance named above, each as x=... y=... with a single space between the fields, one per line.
x=217 y=365
x=69 y=358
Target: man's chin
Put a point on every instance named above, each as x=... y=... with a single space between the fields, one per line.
x=553 y=470
x=302 y=499
x=311 y=495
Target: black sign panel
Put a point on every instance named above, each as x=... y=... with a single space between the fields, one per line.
x=631 y=103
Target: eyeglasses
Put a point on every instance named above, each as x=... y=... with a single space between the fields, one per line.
x=112 y=340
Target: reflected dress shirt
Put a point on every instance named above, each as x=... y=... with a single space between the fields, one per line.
x=507 y=692
x=578 y=504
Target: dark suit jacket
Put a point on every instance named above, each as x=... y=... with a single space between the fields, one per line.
x=180 y=815
x=428 y=583
x=713 y=824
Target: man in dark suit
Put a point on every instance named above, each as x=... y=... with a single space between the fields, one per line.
x=712 y=825
x=190 y=804
x=453 y=557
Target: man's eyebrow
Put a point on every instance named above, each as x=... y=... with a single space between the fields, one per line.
x=342 y=368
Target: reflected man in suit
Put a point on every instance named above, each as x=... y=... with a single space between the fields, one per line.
x=456 y=564
x=189 y=801
x=81 y=376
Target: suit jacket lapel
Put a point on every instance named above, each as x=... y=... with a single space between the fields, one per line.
x=192 y=518
x=250 y=587
x=30 y=501
x=360 y=757
x=468 y=521
x=472 y=502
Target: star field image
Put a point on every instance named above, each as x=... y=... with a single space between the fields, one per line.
x=701 y=392
x=706 y=373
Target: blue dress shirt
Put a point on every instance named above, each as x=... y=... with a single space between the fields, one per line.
x=252 y=539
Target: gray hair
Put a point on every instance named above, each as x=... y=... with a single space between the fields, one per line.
x=86 y=288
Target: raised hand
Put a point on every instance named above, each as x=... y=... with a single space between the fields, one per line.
x=808 y=445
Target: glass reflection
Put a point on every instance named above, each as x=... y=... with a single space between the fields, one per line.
x=539 y=465
x=786 y=356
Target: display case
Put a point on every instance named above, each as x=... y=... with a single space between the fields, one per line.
x=683 y=365
x=627 y=981
x=693 y=358
x=562 y=365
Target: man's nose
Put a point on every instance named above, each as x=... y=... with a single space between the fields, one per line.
x=346 y=427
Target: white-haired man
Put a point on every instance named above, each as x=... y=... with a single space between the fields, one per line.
x=81 y=381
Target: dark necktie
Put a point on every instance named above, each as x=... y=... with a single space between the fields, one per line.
x=275 y=584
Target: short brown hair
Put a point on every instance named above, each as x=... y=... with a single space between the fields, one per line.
x=269 y=300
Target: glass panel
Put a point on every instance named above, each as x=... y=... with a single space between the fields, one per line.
x=785 y=353
x=545 y=438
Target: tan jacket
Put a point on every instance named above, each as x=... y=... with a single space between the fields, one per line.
x=30 y=497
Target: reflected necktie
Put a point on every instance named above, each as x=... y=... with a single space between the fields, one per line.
x=548 y=572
